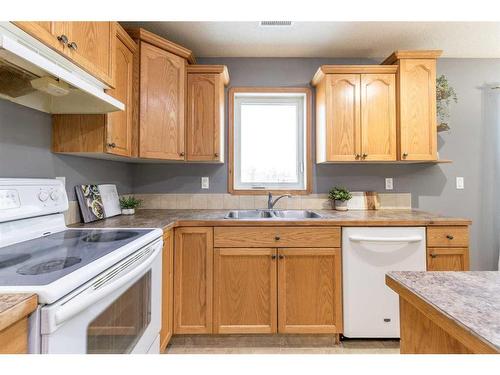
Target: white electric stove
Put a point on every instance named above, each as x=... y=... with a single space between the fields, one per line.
x=99 y=290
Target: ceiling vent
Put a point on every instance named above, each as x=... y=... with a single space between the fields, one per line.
x=276 y=23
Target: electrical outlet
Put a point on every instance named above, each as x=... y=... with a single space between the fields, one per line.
x=389 y=184
x=204 y=182
x=460 y=183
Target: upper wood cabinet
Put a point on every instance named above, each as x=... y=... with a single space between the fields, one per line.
x=162 y=90
x=108 y=134
x=355 y=113
x=161 y=94
x=193 y=275
x=205 y=112
x=417 y=103
x=89 y=45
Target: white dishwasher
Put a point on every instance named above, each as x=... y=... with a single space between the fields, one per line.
x=371 y=309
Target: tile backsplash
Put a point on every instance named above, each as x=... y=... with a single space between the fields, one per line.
x=228 y=201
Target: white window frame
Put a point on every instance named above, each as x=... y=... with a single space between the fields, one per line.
x=299 y=98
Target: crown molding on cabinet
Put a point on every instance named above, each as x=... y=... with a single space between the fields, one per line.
x=210 y=69
x=352 y=69
x=408 y=54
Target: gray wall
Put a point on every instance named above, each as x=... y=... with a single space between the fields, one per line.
x=25 y=138
x=472 y=144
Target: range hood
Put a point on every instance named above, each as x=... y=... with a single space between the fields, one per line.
x=34 y=75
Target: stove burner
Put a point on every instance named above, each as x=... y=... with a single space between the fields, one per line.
x=49 y=266
x=108 y=236
x=8 y=260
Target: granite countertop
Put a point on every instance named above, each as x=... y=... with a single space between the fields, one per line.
x=15 y=306
x=165 y=219
x=472 y=299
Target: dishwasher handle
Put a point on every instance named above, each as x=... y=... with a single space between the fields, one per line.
x=405 y=239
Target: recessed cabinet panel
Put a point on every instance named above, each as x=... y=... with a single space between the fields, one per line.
x=378 y=116
x=417 y=100
x=245 y=290
x=309 y=291
x=119 y=124
x=193 y=264
x=343 y=117
x=162 y=90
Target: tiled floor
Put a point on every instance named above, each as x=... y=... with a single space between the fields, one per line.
x=278 y=344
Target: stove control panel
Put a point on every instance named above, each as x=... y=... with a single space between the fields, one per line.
x=9 y=199
x=25 y=198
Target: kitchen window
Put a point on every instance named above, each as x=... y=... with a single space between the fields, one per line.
x=269 y=140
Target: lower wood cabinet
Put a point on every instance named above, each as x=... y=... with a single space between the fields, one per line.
x=447 y=259
x=193 y=263
x=269 y=290
x=167 y=290
x=309 y=291
x=245 y=292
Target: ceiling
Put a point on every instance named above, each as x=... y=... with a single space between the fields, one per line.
x=330 y=39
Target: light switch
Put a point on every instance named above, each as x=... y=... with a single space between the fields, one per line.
x=460 y=183
x=389 y=184
x=205 y=183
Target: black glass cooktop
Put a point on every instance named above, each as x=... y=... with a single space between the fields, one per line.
x=43 y=260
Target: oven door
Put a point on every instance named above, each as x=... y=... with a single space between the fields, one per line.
x=117 y=312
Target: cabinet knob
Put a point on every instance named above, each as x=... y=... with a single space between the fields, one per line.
x=181 y=153
x=433 y=255
x=277 y=238
x=273 y=257
x=357 y=156
x=216 y=155
x=63 y=39
x=73 y=45
x=365 y=155
x=405 y=154
x=282 y=257
x=449 y=236
x=112 y=145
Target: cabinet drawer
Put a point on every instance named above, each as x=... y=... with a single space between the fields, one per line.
x=277 y=237
x=456 y=236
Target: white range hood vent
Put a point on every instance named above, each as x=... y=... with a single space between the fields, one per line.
x=33 y=75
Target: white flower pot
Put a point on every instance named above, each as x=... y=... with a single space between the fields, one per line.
x=341 y=205
x=128 y=211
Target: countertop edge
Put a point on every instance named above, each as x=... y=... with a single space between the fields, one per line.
x=18 y=310
x=396 y=285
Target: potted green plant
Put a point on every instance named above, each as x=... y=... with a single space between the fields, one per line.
x=128 y=204
x=445 y=95
x=339 y=197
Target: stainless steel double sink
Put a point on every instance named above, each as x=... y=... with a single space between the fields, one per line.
x=272 y=214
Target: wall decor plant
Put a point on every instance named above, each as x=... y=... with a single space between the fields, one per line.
x=445 y=95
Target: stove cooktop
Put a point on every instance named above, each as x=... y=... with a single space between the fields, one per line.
x=43 y=260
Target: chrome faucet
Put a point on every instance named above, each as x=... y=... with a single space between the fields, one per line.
x=271 y=202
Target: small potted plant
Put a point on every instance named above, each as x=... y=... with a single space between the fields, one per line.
x=128 y=204
x=339 y=197
x=445 y=95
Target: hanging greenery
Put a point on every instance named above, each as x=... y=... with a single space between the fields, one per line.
x=445 y=95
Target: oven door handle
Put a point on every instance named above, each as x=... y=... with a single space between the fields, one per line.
x=93 y=294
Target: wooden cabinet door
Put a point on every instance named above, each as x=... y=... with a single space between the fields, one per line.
x=447 y=259
x=378 y=117
x=245 y=290
x=167 y=290
x=94 y=47
x=44 y=31
x=162 y=88
x=309 y=291
x=119 y=124
x=193 y=274
x=417 y=107
x=342 y=117
x=205 y=118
